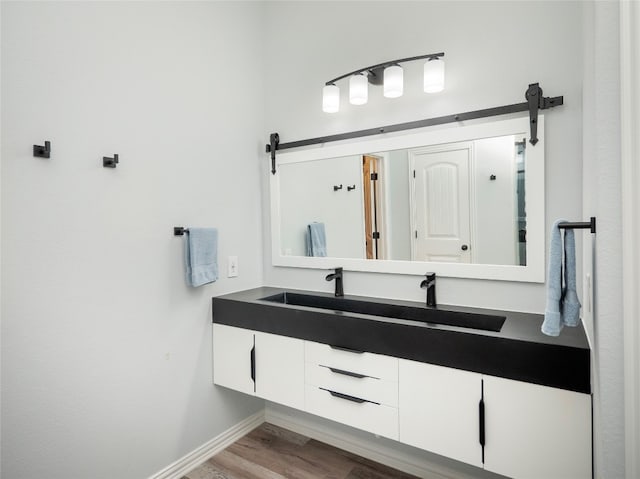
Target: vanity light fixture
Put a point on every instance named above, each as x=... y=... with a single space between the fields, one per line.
x=390 y=73
x=434 y=75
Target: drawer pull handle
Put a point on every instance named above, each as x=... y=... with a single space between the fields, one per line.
x=253 y=364
x=347 y=397
x=346 y=373
x=349 y=350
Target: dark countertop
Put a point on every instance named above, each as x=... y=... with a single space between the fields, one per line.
x=519 y=351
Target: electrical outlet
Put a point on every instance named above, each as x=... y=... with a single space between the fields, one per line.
x=232 y=267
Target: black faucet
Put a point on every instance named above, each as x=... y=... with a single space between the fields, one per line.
x=430 y=284
x=338 y=277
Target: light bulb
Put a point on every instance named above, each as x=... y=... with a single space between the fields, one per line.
x=358 y=89
x=330 y=99
x=393 y=81
x=434 y=75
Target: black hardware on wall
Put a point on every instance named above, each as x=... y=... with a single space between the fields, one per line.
x=40 y=151
x=110 y=162
x=590 y=225
x=492 y=177
x=538 y=102
x=351 y=188
x=274 y=141
x=533 y=95
x=336 y=187
x=179 y=230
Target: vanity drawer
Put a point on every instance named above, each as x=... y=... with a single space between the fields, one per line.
x=353 y=384
x=368 y=364
x=368 y=416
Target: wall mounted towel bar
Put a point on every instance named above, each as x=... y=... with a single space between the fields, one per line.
x=180 y=230
x=580 y=225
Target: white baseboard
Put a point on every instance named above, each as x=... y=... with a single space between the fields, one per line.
x=409 y=463
x=210 y=448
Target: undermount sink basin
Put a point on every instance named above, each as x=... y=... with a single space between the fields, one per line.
x=460 y=319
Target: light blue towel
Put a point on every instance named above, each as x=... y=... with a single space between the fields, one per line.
x=201 y=256
x=552 y=324
x=316 y=240
x=563 y=306
x=570 y=301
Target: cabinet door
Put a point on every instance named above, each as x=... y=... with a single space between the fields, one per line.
x=438 y=410
x=232 y=351
x=280 y=369
x=535 y=432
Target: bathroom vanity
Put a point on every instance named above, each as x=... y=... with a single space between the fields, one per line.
x=504 y=398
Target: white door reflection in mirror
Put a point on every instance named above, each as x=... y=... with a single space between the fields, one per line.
x=440 y=203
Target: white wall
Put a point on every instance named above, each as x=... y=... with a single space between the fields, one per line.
x=106 y=353
x=602 y=255
x=493 y=51
x=396 y=177
x=495 y=201
x=307 y=195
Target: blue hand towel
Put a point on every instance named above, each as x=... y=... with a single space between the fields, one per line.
x=570 y=301
x=316 y=240
x=553 y=323
x=201 y=256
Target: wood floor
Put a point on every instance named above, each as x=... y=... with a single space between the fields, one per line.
x=270 y=452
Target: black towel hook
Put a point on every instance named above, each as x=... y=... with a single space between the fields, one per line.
x=180 y=230
x=40 y=151
x=110 y=162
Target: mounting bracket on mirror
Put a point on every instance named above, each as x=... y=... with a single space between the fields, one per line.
x=535 y=102
x=274 y=140
x=538 y=102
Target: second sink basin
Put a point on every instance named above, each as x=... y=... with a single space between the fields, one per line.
x=484 y=322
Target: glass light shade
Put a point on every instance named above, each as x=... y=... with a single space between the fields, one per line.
x=393 y=81
x=330 y=99
x=434 y=75
x=358 y=90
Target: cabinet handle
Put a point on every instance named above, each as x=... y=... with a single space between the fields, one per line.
x=347 y=397
x=253 y=364
x=346 y=373
x=340 y=348
x=481 y=416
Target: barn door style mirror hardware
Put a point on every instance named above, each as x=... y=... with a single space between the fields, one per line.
x=535 y=102
x=40 y=151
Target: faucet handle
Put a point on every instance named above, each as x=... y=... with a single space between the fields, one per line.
x=430 y=276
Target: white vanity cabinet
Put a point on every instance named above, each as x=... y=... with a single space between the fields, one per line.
x=439 y=410
x=261 y=364
x=352 y=387
x=535 y=432
x=530 y=431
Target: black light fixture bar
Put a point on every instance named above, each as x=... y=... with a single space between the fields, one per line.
x=379 y=66
x=541 y=103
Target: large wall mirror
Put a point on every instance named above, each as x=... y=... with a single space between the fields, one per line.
x=463 y=201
